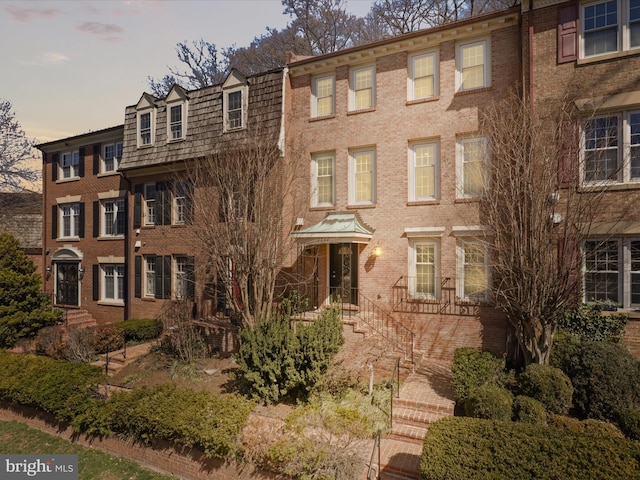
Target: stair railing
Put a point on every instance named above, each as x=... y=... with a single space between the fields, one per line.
x=392 y=383
x=376 y=448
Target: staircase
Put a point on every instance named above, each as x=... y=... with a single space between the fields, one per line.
x=76 y=318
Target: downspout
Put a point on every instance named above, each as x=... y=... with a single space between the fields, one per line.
x=45 y=249
x=127 y=253
x=530 y=52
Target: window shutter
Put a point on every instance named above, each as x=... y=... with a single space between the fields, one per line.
x=96 y=283
x=137 y=206
x=81 y=154
x=568 y=33
x=54 y=167
x=125 y=282
x=191 y=278
x=165 y=200
x=96 y=159
x=159 y=203
x=568 y=159
x=96 y=219
x=158 y=282
x=81 y=222
x=188 y=198
x=167 y=276
x=137 y=281
x=54 y=221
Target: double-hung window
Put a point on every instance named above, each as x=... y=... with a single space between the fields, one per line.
x=150 y=204
x=473 y=65
x=111 y=157
x=183 y=280
x=610 y=26
x=150 y=276
x=423 y=79
x=473 y=270
x=362 y=88
x=145 y=133
x=113 y=282
x=471 y=160
x=423 y=170
x=70 y=165
x=362 y=177
x=234 y=110
x=323 y=96
x=424 y=268
x=113 y=217
x=181 y=202
x=323 y=179
x=175 y=122
x=70 y=220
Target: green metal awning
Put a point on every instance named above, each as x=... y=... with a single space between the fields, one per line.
x=335 y=228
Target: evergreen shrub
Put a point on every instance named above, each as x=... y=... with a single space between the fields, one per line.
x=589 y=324
x=548 y=385
x=140 y=329
x=490 y=402
x=474 y=368
x=529 y=410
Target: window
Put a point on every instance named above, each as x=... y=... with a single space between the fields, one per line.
x=362 y=177
x=70 y=220
x=113 y=216
x=471 y=162
x=183 y=280
x=423 y=171
x=181 y=202
x=473 y=65
x=424 y=269
x=603 y=158
x=322 y=96
x=610 y=26
x=113 y=283
x=111 y=157
x=362 y=88
x=175 y=122
x=145 y=130
x=423 y=81
x=150 y=276
x=70 y=165
x=473 y=270
x=234 y=110
x=322 y=172
x=150 y=204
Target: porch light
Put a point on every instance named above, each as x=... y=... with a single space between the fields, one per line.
x=81 y=272
x=377 y=251
x=48 y=271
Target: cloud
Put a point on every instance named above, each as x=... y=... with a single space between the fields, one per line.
x=27 y=15
x=104 y=31
x=47 y=58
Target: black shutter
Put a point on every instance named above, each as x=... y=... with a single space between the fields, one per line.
x=567 y=33
x=54 y=167
x=158 y=282
x=159 y=202
x=96 y=219
x=54 y=221
x=81 y=232
x=137 y=281
x=166 y=207
x=96 y=283
x=81 y=162
x=167 y=276
x=188 y=198
x=191 y=278
x=137 y=206
x=96 y=159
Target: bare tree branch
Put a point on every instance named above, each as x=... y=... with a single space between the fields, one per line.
x=15 y=153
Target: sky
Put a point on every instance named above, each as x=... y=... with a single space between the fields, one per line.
x=71 y=67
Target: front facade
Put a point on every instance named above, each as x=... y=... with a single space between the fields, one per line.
x=394 y=160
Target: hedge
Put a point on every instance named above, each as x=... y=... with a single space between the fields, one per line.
x=548 y=385
x=474 y=368
x=140 y=329
x=459 y=448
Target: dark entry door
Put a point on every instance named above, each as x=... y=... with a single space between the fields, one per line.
x=67 y=283
x=343 y=272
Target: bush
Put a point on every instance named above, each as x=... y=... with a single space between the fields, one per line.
x=472 y=369
x=490 y=402
x=629 y=422
x=589 y=324
x=473 y=449
x=589 y=426
x=548 y=385
x=140 y=329
x=566 y=347
x=107 y=339
x=529 y=410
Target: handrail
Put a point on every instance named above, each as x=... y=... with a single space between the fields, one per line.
x=392 y=383
x=376 y=447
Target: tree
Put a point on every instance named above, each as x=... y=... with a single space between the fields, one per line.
x=536 y=218
x=15 y=152
x=24 y=307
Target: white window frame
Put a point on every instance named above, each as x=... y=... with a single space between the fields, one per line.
x=461 y=144
x=114 y=157
x=180 y=203
x=486 y=74
x=414 y=244
x=113 y=272
x=316 y=95
x=602 y=260
x=413 y=168
x=152 y=129
x=118 y=224
x=149 y=276
x=180 y=125
x=244 y=91
x=623 y=28
x=353 y=87
x=150 y=204
x=315 y=175
x=462 y=244
x=354 y=176
x=412 y=77
x=70 y=213
x=180 y=280
x=70 y=165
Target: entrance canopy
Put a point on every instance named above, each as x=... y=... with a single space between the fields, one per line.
x=335 y=228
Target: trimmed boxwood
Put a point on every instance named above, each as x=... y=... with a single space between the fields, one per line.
x=489 y=401
x=529 y=410
x=474 y=368
x=472 y=449
x=140 y=329
x=548 y=385
x=629 y=422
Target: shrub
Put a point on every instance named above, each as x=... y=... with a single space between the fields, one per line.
x=529 y=410
x=566 y=347
x=472 y=369
x=140 y=329
x=107 y=339
x=589 y=324
x=629 y=422
x=548 y=385
x=588 y=426
x=473 y=449
x=489 y=401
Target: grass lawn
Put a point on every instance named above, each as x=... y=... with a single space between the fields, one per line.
x=93 y=464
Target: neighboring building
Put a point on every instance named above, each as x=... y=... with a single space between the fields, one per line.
x=85 y=223
x=21 y=216
x=394 y=159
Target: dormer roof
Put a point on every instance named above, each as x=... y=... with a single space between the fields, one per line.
x=234 y=79
x=176 y=94
x=146 y=101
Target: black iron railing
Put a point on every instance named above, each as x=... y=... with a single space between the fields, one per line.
x=376 y=449
x=441 y=299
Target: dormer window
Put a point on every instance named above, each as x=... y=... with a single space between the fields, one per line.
x=234 y=110
x=235 y=100
x=175 y=122
x=146 y=121
x=176 y=114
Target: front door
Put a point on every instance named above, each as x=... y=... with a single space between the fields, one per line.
x=343 y=272
x=67 y=283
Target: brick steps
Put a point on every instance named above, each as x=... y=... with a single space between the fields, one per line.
x=117 y=359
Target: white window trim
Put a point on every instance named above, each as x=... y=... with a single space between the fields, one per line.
x=352 y=177
x=412 y=170
x=145 y=201
x=412 y=270
x=74 y=168
x=73 y=234
x=183 y=121
x=623 y=37
x=103 y=217
x=352 y=91
x=176 y=274
x=152 y=118
x=103 y=283
x=314 y=179
x=116 y=159
x=314 y=95
x=244 y=89
x=486 y=42
x=146 y=269
x=463 y=239
x=460 y=142
x=411 y=77
x=174 y=202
